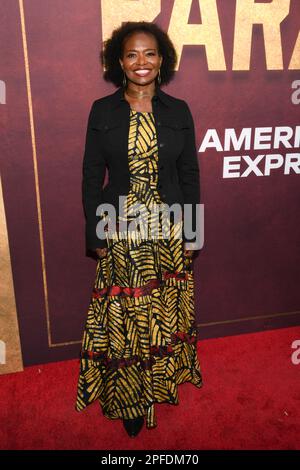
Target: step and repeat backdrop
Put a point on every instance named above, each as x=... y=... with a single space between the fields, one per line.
x=239 y=70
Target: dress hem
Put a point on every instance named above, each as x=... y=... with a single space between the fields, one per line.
x=150 y=410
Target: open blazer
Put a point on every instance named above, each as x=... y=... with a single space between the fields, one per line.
x=107 y=146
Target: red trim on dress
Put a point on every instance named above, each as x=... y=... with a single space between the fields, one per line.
x=159 y=351
x=138 y=291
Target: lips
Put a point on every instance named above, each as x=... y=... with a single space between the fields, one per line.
x=142 y=72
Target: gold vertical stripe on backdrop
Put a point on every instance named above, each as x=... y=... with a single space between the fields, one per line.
x=36 y=179
x=10 y=347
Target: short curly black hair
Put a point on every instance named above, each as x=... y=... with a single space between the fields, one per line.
x=113 y=50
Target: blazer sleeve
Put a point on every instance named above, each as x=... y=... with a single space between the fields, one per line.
x=93 y=172
x=189 y=175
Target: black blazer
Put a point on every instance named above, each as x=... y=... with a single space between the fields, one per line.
x=107 y=146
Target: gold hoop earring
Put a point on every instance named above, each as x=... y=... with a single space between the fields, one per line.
x=124 y=80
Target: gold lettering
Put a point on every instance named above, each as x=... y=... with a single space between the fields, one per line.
x=207 y=33
x=114 y=12
x=295 y=60
x=270 y=15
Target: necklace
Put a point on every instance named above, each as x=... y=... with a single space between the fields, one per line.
x=138 y=99
x=137 y=94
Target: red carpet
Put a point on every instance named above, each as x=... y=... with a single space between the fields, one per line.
x=250 y=400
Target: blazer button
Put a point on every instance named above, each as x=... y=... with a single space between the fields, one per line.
x=161 y=144
x=158 y=123
x=159 y=186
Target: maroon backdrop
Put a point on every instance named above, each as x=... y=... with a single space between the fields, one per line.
x=246 y=275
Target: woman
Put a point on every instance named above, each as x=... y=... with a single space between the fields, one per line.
x=139 y=341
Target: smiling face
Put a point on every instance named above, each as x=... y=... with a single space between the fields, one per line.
x=141 y=61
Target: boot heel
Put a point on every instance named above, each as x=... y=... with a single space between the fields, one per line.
x=133 y=426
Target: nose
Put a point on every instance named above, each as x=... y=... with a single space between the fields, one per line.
x=141 y=59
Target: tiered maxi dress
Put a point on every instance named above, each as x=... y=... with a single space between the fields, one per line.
x=139 y=340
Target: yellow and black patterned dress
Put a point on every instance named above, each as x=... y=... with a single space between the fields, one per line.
x=139 y=341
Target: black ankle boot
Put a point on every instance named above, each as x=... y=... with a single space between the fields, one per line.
x=133 y=426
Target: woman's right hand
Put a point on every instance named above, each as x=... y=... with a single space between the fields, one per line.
x=101 y=252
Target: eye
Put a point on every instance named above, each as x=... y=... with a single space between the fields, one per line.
x=132 y=54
